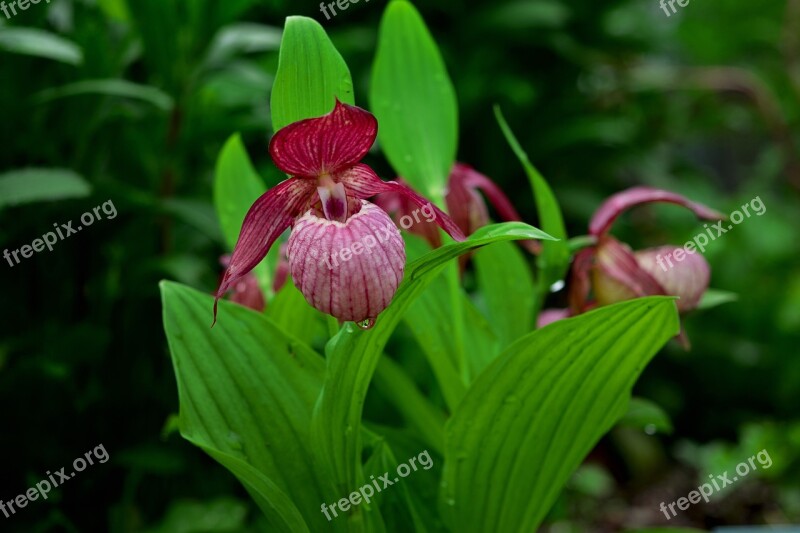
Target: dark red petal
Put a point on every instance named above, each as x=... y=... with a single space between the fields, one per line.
x=465 y=177
x=272 y=213
x=580 y=284
x=362 y=182
x=618 y=276
x=398 y=206
x=614 y=206
x=326 y=144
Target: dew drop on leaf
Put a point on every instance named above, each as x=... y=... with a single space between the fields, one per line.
x=367 y=323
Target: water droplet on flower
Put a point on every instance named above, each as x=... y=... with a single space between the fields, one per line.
x=367 y=323
x=557 y=286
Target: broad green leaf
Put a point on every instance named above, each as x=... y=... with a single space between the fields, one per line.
x=353 y=354
x=554 y=258
x=40 y=43
x=393 y=382
x=291 y=312
x=311 y=74
x=246 y=395
x=507 y=289
x=646 y=415
x=414 y=100
x=28 y=185
x=530 y=418
x=397 y=505
x=110 y=87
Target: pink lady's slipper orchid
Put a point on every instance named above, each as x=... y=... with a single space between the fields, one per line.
x=464 y=203
x=613 y=272
x=345 y=254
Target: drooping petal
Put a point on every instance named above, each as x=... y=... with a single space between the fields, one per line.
x=687 y=279
x=615 y=205
x=467 y=207
x=246 y=291
x=401 y=209
x=324 y=145
x=349 y=270
x=617 y=275
x=580 y=283
x=272 y=213
x=362 y=182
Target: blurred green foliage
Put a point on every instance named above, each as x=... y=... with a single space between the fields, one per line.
x=136 y=99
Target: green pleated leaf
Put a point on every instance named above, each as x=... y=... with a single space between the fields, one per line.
x=554 y=259
x=507 y=289
x=398 y=387
x=291 y=312
x=532 y=416
x=246 y=395
x=311 y=74
x=41 y=184
x=414 y=100
x=353 y=354
x=40 y=43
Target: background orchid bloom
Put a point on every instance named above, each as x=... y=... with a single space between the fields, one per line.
x=465 y=204
x=614 y=272
x=324 y=199
x=246 y=290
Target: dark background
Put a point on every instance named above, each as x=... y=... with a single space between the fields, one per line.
x=602 y=94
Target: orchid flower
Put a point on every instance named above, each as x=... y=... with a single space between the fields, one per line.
x=324 y=200
x=613 y=272
x=464 y=203
x=246 y=290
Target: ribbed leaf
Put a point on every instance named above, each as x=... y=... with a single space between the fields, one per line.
x=507 y=288
x=353 y=354
x=554 y=258
x=311 y=73
x=531 y=417
x=246 y=395
x=414 y=100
